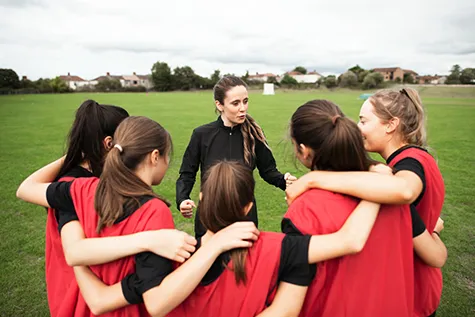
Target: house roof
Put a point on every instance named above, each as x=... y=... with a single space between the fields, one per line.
x=108 y=77
x=293 y=73
x=387 y=69
x=130 y=77
x=410 y=71
x=314 y=73
x=71 y=78
x=143 y=76
x=262 y=75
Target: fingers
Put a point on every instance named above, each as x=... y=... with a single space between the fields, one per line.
x=242 y=244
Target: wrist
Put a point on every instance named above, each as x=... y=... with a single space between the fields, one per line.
x=436 y=233
x=144 y=239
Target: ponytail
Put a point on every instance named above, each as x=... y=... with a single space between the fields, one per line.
x=93 y=122
x=228 y=187
x=250 y=132
x=119 y=186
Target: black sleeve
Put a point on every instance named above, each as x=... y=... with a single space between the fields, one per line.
x=267 y=167
x=413 y=165
x=287 y=227
x=294 y=267
x=150 y=271
x=418 y=226
x=59 y=198
x=189 y=167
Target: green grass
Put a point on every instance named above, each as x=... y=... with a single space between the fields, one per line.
x=33 y=130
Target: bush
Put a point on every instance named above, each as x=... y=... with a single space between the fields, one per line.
x=134 y=89
x=349 y=80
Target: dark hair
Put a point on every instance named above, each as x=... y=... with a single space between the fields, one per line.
x=406 y=105
x=250 y=129
x=228 y=187
x=334 y=138
x=92 y=124
x=119 y=187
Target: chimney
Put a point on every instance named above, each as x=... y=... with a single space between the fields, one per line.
x=69 y=74
x=24 y=78
x=257 y=73
x=135 y=74
x=108 y=74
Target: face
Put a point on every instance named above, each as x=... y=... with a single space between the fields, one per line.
x=303 y=154
x=235 y=106
x=374 y=130
x=160 y=166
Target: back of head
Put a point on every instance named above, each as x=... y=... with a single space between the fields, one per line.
x=406 y=105
x=134 y=139
x=335 y=139
x=93 y=123
x=227 y=189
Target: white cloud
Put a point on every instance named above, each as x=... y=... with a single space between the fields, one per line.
x=45 y=38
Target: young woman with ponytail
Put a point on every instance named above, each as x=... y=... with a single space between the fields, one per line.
x=122 y=203
x=393 y=125
x=89 y=139
x=235 y=135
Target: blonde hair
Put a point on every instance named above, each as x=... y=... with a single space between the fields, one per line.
x=406 y=105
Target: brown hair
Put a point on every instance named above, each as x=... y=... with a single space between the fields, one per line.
x=406 y=105
x=335 y=139
x=119 y=187
x=228 y=187
x=250 y=129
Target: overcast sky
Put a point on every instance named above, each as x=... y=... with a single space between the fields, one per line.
x=46 y=38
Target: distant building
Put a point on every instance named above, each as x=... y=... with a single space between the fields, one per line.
x=261 y=77
x=74 y=82
x=392 y=73
x=309 y=78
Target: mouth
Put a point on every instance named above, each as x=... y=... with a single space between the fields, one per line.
x=242 y=117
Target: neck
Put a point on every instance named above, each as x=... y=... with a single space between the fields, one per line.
x=208 y=235
x=86 y=165
x=391 y=148
x=226 y=122
x=145 y=175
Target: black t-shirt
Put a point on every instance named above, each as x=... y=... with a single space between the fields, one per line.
x=410 y=164
x=150 y=269
x=293 y=268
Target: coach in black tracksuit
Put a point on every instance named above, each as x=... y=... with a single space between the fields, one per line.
x=214 y=142
x=233 y=136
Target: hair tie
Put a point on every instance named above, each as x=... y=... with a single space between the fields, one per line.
x=334 y=118
x=119 y=147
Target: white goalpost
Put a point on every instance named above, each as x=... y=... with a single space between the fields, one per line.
x=268 y=89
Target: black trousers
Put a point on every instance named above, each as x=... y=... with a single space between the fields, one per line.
x=200 y=230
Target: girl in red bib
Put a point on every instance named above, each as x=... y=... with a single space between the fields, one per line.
x=393 y=124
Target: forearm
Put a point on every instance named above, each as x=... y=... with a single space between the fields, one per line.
x=33 y=188
x=178 y=285
x=351 y=238
x=430 y=249
x=376 y=187
x=184 y=186
x=95 y=251
x=281 y=306
x=99 y=297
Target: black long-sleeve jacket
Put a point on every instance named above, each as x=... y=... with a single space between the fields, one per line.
x=214 y=142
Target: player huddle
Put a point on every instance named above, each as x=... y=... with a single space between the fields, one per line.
x=359 y=238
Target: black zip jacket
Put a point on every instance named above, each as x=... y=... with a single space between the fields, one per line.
x=214 y=142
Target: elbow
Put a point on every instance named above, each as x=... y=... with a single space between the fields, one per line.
x=97 y=309
x=356 y=244
x=70 y=259
x=441 y=259
x=406 y=196
x=20 y=191
x=153 y=308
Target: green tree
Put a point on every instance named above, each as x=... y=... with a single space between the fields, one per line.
x=300 y=69
x=288 y=81
x=373 y=80
x=109 y=85
x=58 y=85
x=272 y=80
x=454 y=77
x=330 y=81
x=348 y=80
x=467 y=76
x=408 y=78
x=9 y=79
x=362 y=75
x=216 y=76
x=161 y=77
x=184 y=78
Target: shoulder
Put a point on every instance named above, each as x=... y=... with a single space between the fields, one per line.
x=205 y=128
x=155 y=214
x=76 y=172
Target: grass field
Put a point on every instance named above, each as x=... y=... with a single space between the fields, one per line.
x=33 y=130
